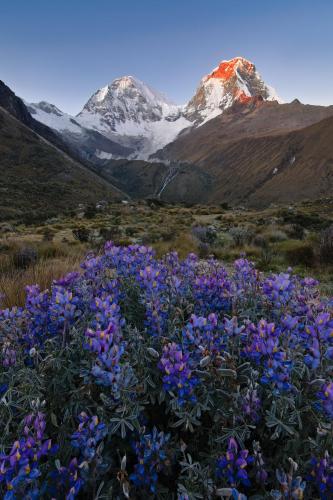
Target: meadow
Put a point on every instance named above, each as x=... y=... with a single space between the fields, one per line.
x=297 y=236
x=161 y=351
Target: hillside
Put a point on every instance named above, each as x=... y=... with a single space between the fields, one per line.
x=39 y=179
x=262 y=154
x=174 y=182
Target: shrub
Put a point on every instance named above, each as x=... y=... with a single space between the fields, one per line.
x=81 y=234
x=300 y=254
x=204 y=234
x=130 y=231
x=165 y=378
x=326 y=245
x=151 y=237
x=241 y=235
x=91 y=211
x=266 y=258
x=48 y=234
x=275 y=235
x=110 y=232
x=306 y=220
x=295 y=231
x=25 y=257
x=224 y=239
x=260 y=241
x=169 y=234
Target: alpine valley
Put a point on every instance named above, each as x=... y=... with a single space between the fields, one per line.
x=235 y=141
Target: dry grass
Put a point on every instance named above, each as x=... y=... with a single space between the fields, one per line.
x=184 y=245
x=166 y=229
x=13 y=281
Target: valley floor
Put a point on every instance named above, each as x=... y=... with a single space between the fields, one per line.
x=274 y=238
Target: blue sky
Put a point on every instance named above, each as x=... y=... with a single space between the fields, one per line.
x=63 y=50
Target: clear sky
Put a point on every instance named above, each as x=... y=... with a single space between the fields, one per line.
x=62 y=51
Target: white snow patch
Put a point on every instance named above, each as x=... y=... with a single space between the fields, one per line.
x=101 y=94
x=103 y=155
x=54 y=118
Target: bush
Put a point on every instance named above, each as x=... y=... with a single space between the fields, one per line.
x=224 y=239
x=204 y=234
x=260 y=241
x=326 y=245
x=130 y=231
x=48 y=234
x=151 y=237
x=295 y=231
x=266 y=258
x=306 y=220
x=165 y=378
x=110 y=232
x=300 y=254
x=275 y=235
x=25 y=257
x=81 y=234
x=241 y=235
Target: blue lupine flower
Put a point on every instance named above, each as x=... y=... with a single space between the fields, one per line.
x=151 y=456
x=231 y=467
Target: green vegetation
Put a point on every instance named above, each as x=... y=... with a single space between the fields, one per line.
x=299 y=236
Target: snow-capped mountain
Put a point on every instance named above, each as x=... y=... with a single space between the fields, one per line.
x=53 y=117
x=88 y=143
x=236 y=80
x=134 y=112
x=137 y=120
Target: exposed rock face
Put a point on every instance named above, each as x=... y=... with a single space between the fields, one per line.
x=135 y=115
x=127 y=100
x=89 y=144
x=234 y=81
x=16 y=107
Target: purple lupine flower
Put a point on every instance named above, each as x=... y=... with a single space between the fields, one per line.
x=8 y=355
x=66 y=482
x=152 y=281
x=290 y=486
x=326 y=400
x=151 y=455
x=109 y=348
x=321 y=475
x=231 y=467
x=178 y=377
x=20 y=469
x=251 y=405
x=204 y=337
x=67 y=280
x=89 y=433
x=278 y=289
x=212 y=291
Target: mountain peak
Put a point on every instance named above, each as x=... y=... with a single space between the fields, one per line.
x=127 y=81
x=227 y=69
x=132 y=111
x=232 y=81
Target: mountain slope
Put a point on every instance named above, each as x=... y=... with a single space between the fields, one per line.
x=272 y=166
x=204 y=145
x=173 y=182
x=38 y=179
x=16 y=107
